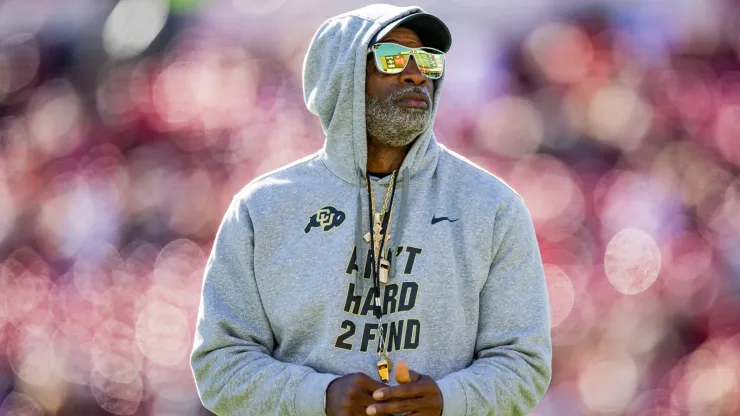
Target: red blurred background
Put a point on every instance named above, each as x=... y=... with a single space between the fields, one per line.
x=126 y=127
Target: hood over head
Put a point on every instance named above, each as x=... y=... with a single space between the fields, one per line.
x=334 y=72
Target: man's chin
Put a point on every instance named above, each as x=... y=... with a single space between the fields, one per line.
x=404 y=138
x=411 y=109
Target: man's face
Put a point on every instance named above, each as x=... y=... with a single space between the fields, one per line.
x=398 y=107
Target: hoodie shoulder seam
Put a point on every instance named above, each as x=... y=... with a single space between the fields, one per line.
x=461 y=159
x=273 y=172
x=285 y=167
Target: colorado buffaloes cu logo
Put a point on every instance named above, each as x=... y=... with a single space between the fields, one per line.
x=327 y=217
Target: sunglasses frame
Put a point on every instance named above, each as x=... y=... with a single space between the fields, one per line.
x=412 y=52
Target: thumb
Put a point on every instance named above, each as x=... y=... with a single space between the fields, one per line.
x=401 y=371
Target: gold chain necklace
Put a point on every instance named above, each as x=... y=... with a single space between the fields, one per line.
x=377 y=232
x=383 y=266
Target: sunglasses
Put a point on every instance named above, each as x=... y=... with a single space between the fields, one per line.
x=392 y=58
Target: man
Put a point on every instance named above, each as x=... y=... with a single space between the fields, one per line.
x=383 y=246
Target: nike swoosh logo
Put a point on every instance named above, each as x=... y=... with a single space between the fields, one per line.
x=436 y=220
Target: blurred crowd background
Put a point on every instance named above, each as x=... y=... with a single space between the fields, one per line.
x=126 y=127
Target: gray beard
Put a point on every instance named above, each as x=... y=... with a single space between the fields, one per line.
x=392 y=124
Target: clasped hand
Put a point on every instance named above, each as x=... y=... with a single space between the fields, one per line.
x=357 y=394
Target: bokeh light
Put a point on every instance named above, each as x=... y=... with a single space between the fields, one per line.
x=608 y=384
x=162 y=333
x=132 y=26
x=561 y=51
x=54 y=117
x=117 y=397
x=562 y=295
x=632 y=261
x=511 y=127
x=31 y=356
x=19 y=63
x=547 y=186
x=18 y=404
x=707 y=381
x=618 y=116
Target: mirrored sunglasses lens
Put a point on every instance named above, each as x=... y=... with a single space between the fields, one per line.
x=430 y=64
x=391 y=58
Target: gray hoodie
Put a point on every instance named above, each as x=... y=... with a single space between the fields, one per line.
x=285 y=306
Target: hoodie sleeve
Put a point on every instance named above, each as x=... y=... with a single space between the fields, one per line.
x=513 y=352
x=231 y=360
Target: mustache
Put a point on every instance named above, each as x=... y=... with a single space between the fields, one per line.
x=418 y=90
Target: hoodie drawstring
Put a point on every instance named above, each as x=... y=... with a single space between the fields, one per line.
x=359 y=248
x=402 y=213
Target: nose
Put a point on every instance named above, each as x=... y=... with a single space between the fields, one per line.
x=412 y=74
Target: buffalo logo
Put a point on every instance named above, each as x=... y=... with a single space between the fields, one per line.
x=327 y=217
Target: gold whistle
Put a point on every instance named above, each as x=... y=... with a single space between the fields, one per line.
x=384 y=369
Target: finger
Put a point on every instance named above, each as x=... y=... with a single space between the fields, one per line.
x=401 y=372
x=357 y=395
x=402 y=391
x=398 y=406
x=414 y=377
x=368 y=384
x=363 y=401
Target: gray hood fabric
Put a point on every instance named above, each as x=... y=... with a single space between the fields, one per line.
x=286 y=300
x=334 y=73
